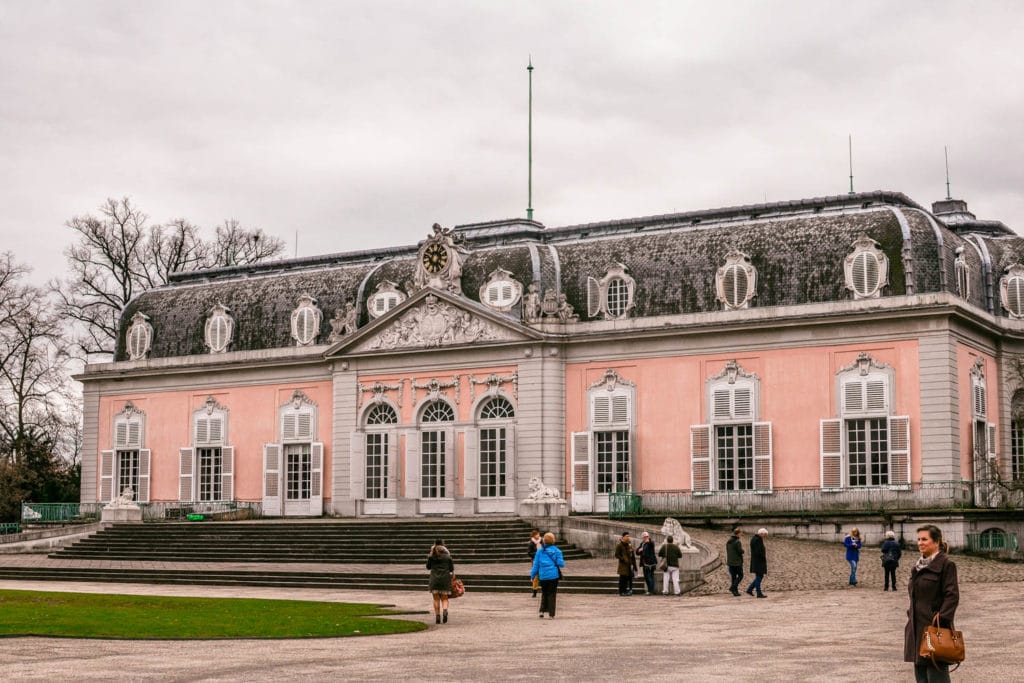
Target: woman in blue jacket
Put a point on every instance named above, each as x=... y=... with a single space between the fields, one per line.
x=547 y=564
x=853 y=544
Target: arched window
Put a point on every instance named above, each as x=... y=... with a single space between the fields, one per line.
x=494 y=437
x=385 y=297
x=435 y=444
x=381 y=414
x=501 y=292
x=612 y=295
x=497 y=408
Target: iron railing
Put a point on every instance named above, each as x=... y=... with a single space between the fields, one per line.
x=992 y=541
x=224 y=510
x=60 y=513
x=8 y=528
x=944 y=495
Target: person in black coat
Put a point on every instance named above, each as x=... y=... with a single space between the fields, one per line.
x=734 y=560
x=891 y=554
x=758 y=562
x=934 y=589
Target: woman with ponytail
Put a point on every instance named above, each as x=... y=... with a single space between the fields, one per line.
x=934 y=589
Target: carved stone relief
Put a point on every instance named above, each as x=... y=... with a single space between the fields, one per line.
x=435 y=323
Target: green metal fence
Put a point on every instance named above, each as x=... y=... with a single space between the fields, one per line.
x=9 y=528
x=60 y=513
x=992 y=540
x=624 y=505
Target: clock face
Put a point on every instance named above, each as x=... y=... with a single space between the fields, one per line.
x=435 y=258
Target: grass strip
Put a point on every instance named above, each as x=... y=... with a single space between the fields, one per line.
x=94 y=615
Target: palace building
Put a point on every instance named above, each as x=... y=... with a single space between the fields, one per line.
x=793 y=355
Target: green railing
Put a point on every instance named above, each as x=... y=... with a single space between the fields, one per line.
x=224 y=510
x=992 y=540
x=60 y=513
x=8 y=528
x=944 y=495
x=624 y=504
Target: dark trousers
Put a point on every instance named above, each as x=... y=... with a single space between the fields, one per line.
x=890 y=575
x=548 y=591
x=625 y=584
x=927 y=673
x=649 y=577
x=755 y=585
x=737 y=575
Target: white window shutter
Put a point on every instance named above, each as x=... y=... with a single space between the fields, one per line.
x=763 y=456
x=288 y=426
x=135 y=434
x=106 y=476
x=581 y=462
x=510 y=460
x=979 y=400
x=700 y=457
x=594 y=303
x=877 y=396
x=304 y=425
x=145 y=464
x=216 y=430
x=853 y=396
x=227 y=473
x=412 y=464
x=316 y=479
x=601 y=410
x=202 y=430
x=471 y=465
x=391 y=462
x=992 y=445
x=721 y=400
x=742 y=402
x=620 y=409
x=899 y=450
x=120 y=435
x=357 y=465
x=272 y=479
x=831 y=432
x=451 y=470
x=186 y=466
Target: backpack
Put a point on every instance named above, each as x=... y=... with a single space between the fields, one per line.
x=889 y=557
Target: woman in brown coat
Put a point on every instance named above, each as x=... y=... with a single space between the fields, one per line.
x=933 y=589
x=627 y=564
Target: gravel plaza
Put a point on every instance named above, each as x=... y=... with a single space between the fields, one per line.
x=812 y=628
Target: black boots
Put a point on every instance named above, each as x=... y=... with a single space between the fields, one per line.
x=437 y=618
x=445 y=619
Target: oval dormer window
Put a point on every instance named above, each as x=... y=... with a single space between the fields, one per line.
x=386 y=297
x=139 y=338
x=501 y=292
x=306 y=321
x=866 y=269
x=735 y=281
x=1012 y=291
x=219 y=328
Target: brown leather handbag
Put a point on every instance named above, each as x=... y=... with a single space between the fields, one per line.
x=941 y=645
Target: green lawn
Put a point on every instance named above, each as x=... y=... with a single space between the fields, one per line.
x=88 y=615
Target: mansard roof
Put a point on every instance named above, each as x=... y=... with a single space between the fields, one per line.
x=798 y=248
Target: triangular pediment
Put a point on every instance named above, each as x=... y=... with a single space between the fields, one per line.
x=433 y=319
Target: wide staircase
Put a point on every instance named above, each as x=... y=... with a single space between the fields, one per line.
x=281 y=544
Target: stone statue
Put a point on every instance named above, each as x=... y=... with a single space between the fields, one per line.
x=344 y=322
x=541 y=493
x=565 y=311
x=673 y=528
x=531 y=304
x=124 y=501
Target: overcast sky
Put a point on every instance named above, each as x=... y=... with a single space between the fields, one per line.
x=359 y=124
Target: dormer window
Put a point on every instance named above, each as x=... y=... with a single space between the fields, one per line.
x=866 y=269
x=386 y=297
x=139 y=338
x=220 y=327
x=736 y=281
x=612 y=295
x=1011 y=291
x=501 y=292
x=306 y=319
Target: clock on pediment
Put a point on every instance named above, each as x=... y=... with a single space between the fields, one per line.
x=434 y=258
x=440 y=261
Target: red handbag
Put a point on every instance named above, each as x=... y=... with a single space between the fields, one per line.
x=458 y=589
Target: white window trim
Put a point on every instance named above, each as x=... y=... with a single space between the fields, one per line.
x=305 y=304
x=139 y=325
x=219 y=313
x=499 y=279
x=188 y=464
x=740 y=261
x=386 y=290
x=731 y=378
x=597 y=293
x=866 y=245
x=620 y=394
x=1014 y=273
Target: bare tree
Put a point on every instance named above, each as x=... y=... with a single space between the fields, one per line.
x=118 y=255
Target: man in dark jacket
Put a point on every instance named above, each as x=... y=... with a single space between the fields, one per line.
x=627 y=564
x=758 y=562
x=648 y=561
x=734 y=560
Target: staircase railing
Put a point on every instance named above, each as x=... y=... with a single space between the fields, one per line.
x=60 y=513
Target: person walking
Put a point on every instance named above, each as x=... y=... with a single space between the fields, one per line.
x=648 y=561
x=933 y=589
x=535 y=543
x=441 y=567
x=758 y=562
x=627 y=564
x=672 y=554
x=891 y=554
x=853 y=543
x=734 y=560
x=547 y=568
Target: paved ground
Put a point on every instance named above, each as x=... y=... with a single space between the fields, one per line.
x=812 y=627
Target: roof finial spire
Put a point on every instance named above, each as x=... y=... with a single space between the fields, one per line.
x=529 y=144
x=946 y=150
x=851 y=163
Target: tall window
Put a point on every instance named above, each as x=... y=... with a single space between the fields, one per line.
x=734 y=451
x=434 y=450
x=298 y=464
x=126 y=465
x=207 y=468
x=866 y=445
x=211 y=472
x=1017 y=436
x=128 y=472
x=378 y=450
x=612 y=451
x=293 y=465
x=493 y=451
